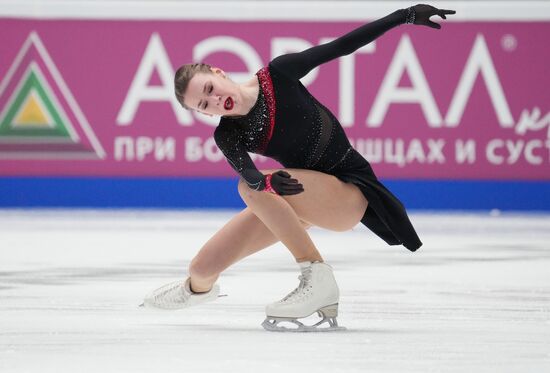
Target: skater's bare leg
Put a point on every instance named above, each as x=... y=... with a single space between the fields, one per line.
x=277 y=214
x=242 y=236
x=326 y=202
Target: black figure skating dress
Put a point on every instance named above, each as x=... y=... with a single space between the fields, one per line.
x=289 y=125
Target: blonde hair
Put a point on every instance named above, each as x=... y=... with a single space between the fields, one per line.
x=184 y=75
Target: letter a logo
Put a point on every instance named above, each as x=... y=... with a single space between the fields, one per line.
x=39 y=117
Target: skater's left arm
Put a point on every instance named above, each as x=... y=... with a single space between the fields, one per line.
x=297 y=65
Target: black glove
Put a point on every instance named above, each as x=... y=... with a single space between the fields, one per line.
x=284 y=185
x=420 y=15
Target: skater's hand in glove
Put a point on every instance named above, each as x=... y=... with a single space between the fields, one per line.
x=423 y=12
x=281 y=183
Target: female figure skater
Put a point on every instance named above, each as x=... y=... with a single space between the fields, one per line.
x=325 y=182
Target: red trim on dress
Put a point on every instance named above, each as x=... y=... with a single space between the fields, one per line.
x=267 y=88
x=268 y=186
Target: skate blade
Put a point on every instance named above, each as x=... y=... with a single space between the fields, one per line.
x=271 y=324
x=142 y=305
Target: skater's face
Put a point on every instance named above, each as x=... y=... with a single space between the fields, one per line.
x=211 y=93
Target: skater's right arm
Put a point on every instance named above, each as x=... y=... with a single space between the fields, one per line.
x=228 y=140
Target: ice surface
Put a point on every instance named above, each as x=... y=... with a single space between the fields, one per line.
x=475 y=298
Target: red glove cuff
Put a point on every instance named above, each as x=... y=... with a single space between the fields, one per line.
x=268 y=187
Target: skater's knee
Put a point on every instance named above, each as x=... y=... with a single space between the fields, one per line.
x=242 y=187
x=247 y=194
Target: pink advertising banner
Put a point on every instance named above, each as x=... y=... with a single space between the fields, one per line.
x=95 y=97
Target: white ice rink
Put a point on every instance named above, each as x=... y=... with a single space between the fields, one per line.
x=475 y=298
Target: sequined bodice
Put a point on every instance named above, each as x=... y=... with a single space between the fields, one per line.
x=254 y=126
x=287 y=124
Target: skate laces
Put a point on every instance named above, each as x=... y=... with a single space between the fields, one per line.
x=169 y=293
x=305 y=279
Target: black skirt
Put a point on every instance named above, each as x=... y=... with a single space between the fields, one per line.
x=385 y=215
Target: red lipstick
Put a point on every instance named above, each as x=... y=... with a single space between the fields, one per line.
x=228 y=104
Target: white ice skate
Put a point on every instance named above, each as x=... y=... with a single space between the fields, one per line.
x=317 y=292
x=178 y=294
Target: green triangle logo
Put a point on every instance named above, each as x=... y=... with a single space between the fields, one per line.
x=32 y=112
x=39 y=116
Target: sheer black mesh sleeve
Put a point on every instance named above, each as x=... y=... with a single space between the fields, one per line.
x=228 y=139
x=297 y=65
